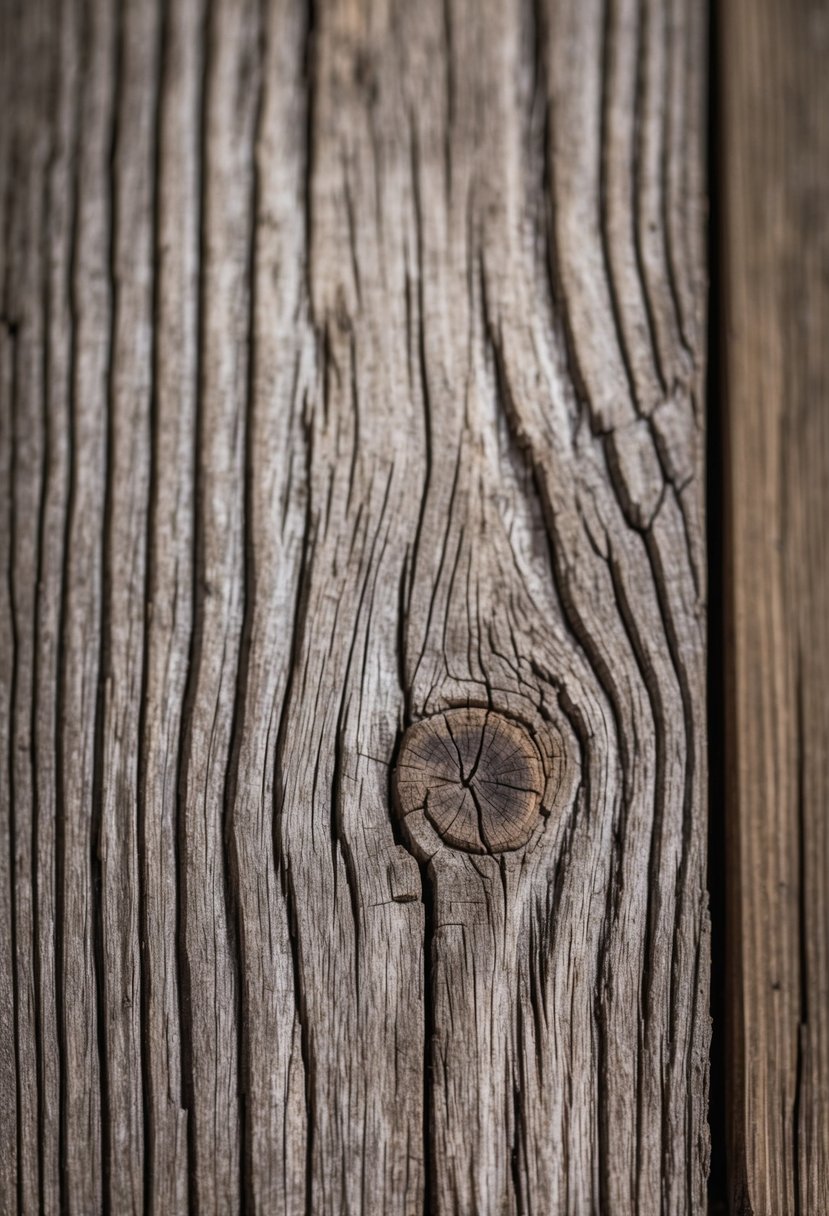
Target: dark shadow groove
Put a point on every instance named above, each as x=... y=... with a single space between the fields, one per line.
x=188 y=1085
x=717 y=624
x=239 y=725
x=428 y=897
x=161 y=68
x=106 y=622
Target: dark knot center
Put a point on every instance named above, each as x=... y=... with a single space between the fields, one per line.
x=476 y=775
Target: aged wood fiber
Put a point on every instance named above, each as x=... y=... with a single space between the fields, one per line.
x=351 y=364
x=775 y=92
x=475 y=776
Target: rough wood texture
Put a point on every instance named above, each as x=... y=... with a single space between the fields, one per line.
x=775 y=94
x=476 y=776
x=351 y=365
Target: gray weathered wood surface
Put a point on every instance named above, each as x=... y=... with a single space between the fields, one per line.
x=775 y=144
x=351 y=370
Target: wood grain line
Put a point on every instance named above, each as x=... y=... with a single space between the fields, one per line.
x=351 y=381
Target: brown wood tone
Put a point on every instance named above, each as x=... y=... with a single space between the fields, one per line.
x=351 y=439
x=475 y=776
x=775 y=94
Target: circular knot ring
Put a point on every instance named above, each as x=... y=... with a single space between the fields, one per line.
x=475 y=774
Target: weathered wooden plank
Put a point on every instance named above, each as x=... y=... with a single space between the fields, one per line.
x=211 y=1028
x=26 y=276
x=52 y=524
x=775 y=243
x=354 y=893
x=123 y=608
x=275 y=1127
x=80 y=996
x=168 y=620
x=370 y=425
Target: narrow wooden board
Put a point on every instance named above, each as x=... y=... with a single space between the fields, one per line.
x=775 y=250
x=352 y=363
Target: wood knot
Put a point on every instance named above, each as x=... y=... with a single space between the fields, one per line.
x=476 y=775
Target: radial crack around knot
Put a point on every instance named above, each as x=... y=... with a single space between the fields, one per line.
x=476 y=775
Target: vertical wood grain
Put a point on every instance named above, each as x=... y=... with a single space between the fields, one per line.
x=168 y=596
x=775 y=242
x=352 y=372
